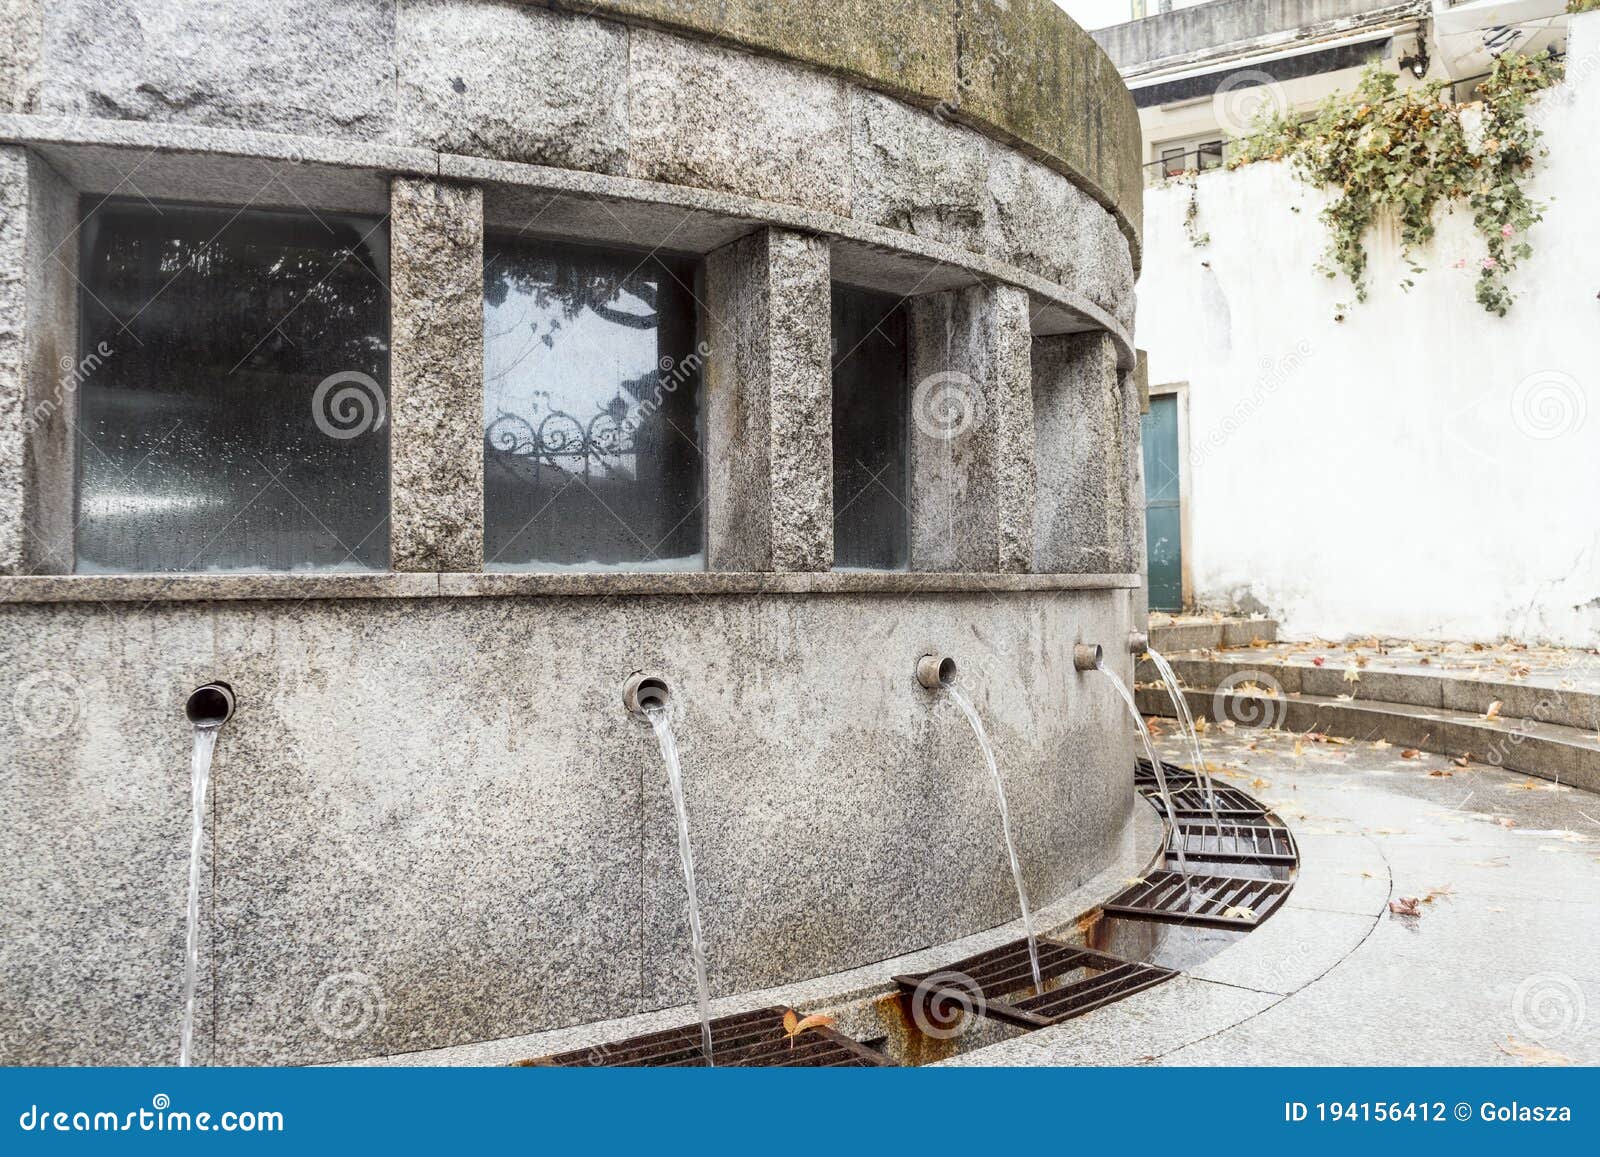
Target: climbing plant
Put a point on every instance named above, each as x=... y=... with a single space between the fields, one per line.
x=1577 y=6
x=1191 y=215
x=1388 y=150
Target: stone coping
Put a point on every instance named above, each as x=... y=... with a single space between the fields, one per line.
x=1021 y=71
x=94 y=140
x=182 y=588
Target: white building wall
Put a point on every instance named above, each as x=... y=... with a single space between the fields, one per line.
x=1421 y=469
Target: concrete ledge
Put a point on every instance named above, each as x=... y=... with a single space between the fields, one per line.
x=186 y=588
x=1546 y=750
x=1436 y=690
x=1181 y=634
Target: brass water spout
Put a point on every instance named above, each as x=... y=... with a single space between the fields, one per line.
x=934 y=671
x=642 y=692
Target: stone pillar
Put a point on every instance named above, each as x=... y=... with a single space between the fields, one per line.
x=768 y=404
x=972 y=471
x=1086 y=418
x=436 y=376
x=40 y=367
x=21 y=36
x=1138 y=384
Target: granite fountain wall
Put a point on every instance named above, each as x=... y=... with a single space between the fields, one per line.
x=432 y=821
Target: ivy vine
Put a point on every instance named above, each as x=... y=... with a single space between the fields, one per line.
x=1403 y=152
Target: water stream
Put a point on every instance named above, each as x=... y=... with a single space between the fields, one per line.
x=1155 y=761
x=662 y=726
x=205 y=746
x=1186 y=723
x=971 y=713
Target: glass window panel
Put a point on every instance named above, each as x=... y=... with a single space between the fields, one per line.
x=591 y=410
x=207 y=437
x=1209 y=155
x=871 y=405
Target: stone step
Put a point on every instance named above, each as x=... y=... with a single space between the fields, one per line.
x=1530 y=747
x=1414 y=687
x=1169 y=633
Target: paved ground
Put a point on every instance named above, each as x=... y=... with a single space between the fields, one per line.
x=1501 y=966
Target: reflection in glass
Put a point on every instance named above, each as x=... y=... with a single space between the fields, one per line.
x=201 y=444
x=590 y=410
x=871 y=404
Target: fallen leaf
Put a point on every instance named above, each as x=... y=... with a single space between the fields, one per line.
x=793 y=1026
x=1239 y=912
x=1351 y=675
x=1445 y=774
x=1494 y=710
x=1533 y=1054
x=1259 y=783
x=1406 y=906
x=1444 y=890
x=1410 y=753
x=1298 y=750
x=1131 y=880
x=1382 y=745
x=1505 y=821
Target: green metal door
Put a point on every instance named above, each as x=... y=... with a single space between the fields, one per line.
x=1163 y=541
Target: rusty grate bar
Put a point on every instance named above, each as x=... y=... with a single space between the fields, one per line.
x=746 y=1040
x=1215 y=901
x=1232 y=843
x=980 y=983
x=1190 y=803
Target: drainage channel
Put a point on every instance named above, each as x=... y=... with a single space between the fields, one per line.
x=757 y=1039
x=1146 y=934
x=1077 y=980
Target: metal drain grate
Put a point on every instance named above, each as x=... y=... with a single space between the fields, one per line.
x=1190 y=803
x=1215 y=901
x=979 y=982
x=748 y=1040
x=1144 y=776
x=1232 y=843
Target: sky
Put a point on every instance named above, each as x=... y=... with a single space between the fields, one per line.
x=1098 y=13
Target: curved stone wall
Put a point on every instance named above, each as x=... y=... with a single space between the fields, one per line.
x=519 y=82
x=431 y=800
x=440 y=807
